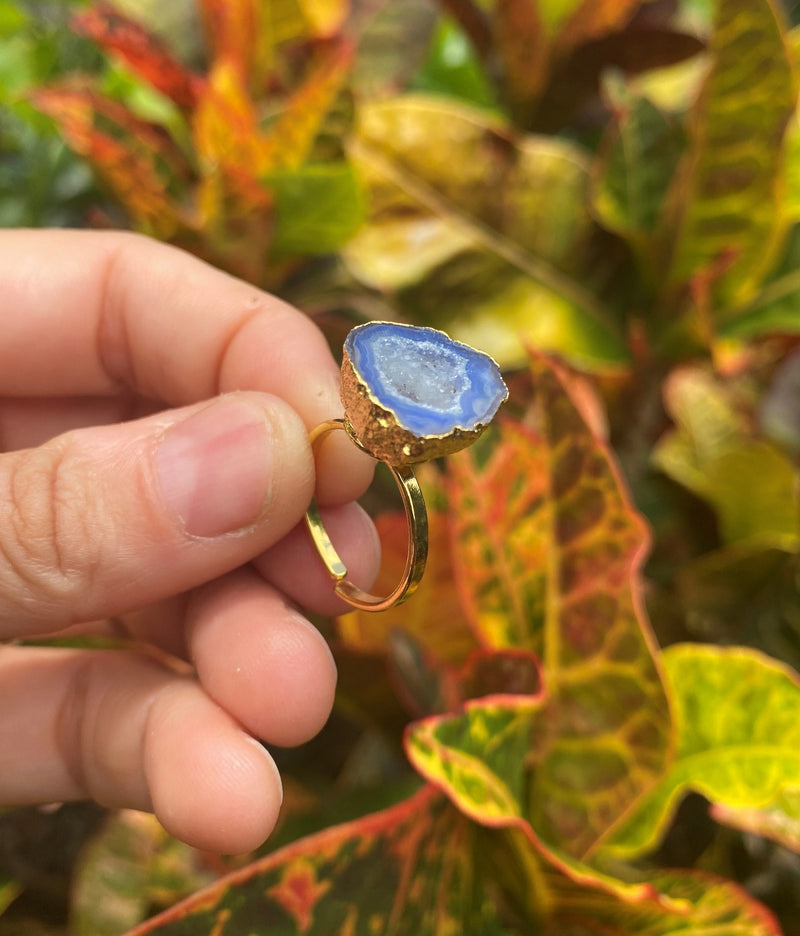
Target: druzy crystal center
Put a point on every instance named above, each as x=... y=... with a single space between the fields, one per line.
x=417 y=377
x=432 y=386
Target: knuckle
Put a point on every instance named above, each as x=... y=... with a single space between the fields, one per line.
x=48 y=544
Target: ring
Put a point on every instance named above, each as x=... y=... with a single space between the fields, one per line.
x=410 y=394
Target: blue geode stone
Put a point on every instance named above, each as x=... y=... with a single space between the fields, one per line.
x=413 y=393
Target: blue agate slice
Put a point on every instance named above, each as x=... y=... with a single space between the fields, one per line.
x=434 y=387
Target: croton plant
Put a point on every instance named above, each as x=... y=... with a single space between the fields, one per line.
x=587 y=721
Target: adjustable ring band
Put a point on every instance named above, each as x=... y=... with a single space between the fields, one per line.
x=416 y=516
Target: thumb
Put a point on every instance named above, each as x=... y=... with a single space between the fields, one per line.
x=100 y=521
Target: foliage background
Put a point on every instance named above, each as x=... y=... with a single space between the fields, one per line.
x=586 y=721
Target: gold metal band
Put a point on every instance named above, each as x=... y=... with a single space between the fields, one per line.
x=416 y=516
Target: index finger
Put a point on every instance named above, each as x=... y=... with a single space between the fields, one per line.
x=89 y=312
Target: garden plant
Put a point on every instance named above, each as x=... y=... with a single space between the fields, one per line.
x=586 y=722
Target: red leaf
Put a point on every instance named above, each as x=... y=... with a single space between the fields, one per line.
x=141 y=50
x=137 y=160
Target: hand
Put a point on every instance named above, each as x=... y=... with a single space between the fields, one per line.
x=176 y=526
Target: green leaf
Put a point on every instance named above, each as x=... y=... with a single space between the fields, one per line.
x=708 y=425
x=769 y=481
x=713 y=455
x=776 y=307
x=453 y=68
x=317 y=208
x=778 y=820
x=12 y=19
x=725 y=221
x=791 y=193
x=633 y=171
x=127 y=870
x=547 y=559
x=479 y=758
x=737 y=721
x=409 y=870
x=9 y=891
x=485 y=302
x=392 y=47
x=454 y=195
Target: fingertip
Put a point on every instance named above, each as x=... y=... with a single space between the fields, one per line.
x=261 y=660
x=211 y=785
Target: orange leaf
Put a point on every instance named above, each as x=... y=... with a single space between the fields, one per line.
x=522 y=43
x=593 y=19
x=433 y=616
x=225 y=130
x=500 y=538
x=141 y=50
x=136 y=160
x=246 y=32
x=292 y=135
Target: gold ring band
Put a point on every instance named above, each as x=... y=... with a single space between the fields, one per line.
x=416 y=517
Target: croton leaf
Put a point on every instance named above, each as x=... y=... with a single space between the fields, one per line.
x=778 y=820
x=547 y=551
x=703 y=904
x=392 y=47
x=771 y=480
x=523 y=46
x=225 y=124
x=533 y=35
x=141 y=51
x=246 y=33
x=713 y=453
x=773 y=310
x=501 y=536
x=634 y=50
x=317 y=208
x=479 y=757
x=138 y=161
x=436 y=599
x=130 y=868
x=491 y=231
x=289 y=139
x=324 y=17
x=500 y=672
x=737 y=721
x=633 y=171
x=590 y=19
x=407 y=870
x=9 y=891
x=725 y=220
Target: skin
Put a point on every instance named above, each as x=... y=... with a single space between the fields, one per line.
x=154 y=472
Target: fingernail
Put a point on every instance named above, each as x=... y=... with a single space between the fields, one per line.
x=215 y=467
